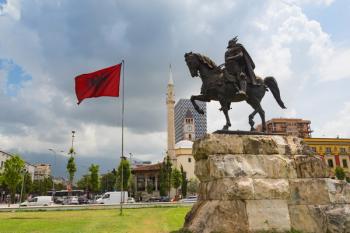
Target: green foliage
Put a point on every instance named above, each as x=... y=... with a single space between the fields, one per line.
x=125 y=166
x=41 y=187
x=165 y=177
x=108 y=182
x=71 y=168
x=183 y=182
x=346 y=178
x=176 y=178
x=84 y=182
x=13 y=173
x=193 y=186
x=339 y=173
x=94 y=182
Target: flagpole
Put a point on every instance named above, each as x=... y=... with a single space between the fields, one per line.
x=122 y=168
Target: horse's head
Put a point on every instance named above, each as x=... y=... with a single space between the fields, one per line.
x=193 y=63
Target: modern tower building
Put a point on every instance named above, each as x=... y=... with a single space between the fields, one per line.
x=189 y=124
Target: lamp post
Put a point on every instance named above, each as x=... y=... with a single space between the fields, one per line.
x=54 y=164
x=20 y=198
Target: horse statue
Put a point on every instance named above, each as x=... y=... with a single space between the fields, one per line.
x=216 y=86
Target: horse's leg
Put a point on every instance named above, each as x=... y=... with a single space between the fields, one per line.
x=225 y=107
x=262 y=116
x=251 y=121
x=200 y=98
x=255 y=103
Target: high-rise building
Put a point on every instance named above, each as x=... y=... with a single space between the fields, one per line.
x=288 y=126
x=189 y=124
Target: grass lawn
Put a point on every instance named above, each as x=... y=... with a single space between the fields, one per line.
x=145 y=220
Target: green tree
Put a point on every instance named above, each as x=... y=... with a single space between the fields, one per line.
x=339 y=173
x=13 y=174
x=108 y=181
x=165 y=177
x=41 y=187
x=71 y=167
x=125 y=166
x=94 y=181
x=84 y=182
x=192 y=186
x=183 y=182
x=176 y=179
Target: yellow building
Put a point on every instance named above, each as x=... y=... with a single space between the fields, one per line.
x=183 y=152
x=335 y=152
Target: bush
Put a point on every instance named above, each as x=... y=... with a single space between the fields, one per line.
x=339 y=173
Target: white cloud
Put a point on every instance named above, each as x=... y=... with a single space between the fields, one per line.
x=11 y=8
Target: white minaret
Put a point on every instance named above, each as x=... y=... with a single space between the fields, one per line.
x=170 y=102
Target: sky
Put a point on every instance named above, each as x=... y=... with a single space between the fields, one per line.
x=304 y=44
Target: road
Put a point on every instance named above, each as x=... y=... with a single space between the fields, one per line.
x=15 y=207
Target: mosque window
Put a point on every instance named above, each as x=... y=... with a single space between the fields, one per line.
x=328 y=150
x=189 y=160
x=342 y=150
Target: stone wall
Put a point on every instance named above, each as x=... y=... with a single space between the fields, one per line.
x=255 y=183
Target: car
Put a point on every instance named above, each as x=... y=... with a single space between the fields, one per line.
x=131 y=200
x=38 y=201
x=190 y=199
x=72 y=200
x=110 y=198
x=164 y=199
x=153 y=199
x=83 y=200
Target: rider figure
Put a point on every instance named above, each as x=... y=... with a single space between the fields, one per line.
x=239 y=66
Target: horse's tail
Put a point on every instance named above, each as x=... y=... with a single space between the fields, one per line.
x=271 y=83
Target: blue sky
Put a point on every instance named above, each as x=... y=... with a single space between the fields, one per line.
x=304 y=44
x=334 y=19
x=15 y=77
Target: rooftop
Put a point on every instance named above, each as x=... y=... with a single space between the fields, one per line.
x=184 y=144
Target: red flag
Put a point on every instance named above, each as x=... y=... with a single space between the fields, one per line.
x=103 y=82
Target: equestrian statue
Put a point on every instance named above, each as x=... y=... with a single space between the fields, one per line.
x=233 y=81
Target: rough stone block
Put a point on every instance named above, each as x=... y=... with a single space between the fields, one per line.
x=307 y=218
x=271 y=189
x=310 y=166
x=310 y=191
x=339 y=191
x=255 y=166
x=217 y=216
x=268 y=215
x=230 y=189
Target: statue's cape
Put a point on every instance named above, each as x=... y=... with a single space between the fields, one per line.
x=250 y=66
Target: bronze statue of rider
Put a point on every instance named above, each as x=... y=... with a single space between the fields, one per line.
x=239 y=66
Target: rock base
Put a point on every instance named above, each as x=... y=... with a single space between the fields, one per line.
x=259 y=183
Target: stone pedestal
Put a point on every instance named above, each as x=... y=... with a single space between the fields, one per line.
x=259 y=183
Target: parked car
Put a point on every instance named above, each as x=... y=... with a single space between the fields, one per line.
x=190 y=199
x=164 y=199
x=110 y=198
x=83 y=200
x=72 y=200
x=39 y=201
x=153 y=199
x=131 y=200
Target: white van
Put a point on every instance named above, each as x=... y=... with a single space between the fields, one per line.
x=112 y=198
x=38 y=201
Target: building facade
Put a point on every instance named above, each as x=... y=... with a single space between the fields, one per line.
x=42 y=171
x=288 y=126
x=184 y=157
x=335 y=152
x=144 y=176
x=189 y=124
x=5 y=156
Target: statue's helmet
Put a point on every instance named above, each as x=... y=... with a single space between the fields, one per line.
x=232 y=42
